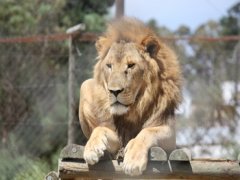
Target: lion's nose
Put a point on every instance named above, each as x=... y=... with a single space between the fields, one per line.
x=116 y=92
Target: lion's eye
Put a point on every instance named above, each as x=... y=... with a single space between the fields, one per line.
x=131 y=65
x=109 y=66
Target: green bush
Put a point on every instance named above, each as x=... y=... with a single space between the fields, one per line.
x=35 y=169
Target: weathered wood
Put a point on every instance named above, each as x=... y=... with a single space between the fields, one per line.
x=157 y=154
x=76 y=151
x=72 y=151
x=104 y=169
x=119 y=8
x=164 y=176
x=52 y=176
x=180 y=165
x=72 y=118
x=155 y=169
x=76 y=29
x=71 y=94
x=180 y=155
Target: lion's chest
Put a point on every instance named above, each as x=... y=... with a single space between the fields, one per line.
x=126 y=130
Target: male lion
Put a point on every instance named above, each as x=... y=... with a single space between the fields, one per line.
x=131 y=99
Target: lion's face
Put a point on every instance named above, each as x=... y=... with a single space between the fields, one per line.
x=139 y=73
x=123 y=68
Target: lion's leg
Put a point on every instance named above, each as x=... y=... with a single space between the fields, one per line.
x=101 y=138
x=136 y=151
x=87 y=120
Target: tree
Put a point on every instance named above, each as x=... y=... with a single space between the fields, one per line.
x=231 y=25
x=209 y=66
x=50 y=16
x=183 y=31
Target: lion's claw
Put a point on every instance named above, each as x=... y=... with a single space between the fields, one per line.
x=91 y=157
x=134 y=169
x=135 y=159
x=94 y=149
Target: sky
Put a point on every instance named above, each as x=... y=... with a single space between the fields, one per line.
x=173 y=13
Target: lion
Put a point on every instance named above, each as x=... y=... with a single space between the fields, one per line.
x=131 y=100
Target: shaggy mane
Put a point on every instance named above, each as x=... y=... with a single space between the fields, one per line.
x=162 y=76
x=125 y=29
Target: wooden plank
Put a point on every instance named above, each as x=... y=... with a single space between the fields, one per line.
x=72 y=151
x=160 y=169
x=179 y=165
x=104 y=169
x=215 y=167
x=162 y=176
x=52 y=176
x=76 y=151
x=180 y=155
x=74 y=31
x=157 y=154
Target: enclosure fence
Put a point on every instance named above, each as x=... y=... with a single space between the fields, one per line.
x=34 y=98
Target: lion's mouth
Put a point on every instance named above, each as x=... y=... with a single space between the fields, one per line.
x=117 y=103
x=118 y=108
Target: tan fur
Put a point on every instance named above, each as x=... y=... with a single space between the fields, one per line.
x=134 y=62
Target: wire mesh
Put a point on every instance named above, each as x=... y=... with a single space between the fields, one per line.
x=33 y=106
x=33 y=101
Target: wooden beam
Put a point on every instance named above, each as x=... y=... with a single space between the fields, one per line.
x=52 y=176
x=72 y=151
x=155 y=169
x=76 y=29
x=178 y=165
x=119 y=8
x=180 y=155
x=72 y=118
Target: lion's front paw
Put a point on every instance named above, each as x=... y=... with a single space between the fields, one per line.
x=94 y=149
x=135 y=158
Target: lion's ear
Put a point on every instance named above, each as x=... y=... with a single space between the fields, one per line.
x=151 y=46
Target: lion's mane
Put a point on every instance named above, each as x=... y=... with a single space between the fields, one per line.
x=160 y=95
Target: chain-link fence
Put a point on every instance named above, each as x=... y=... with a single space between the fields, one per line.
x=34 y=102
